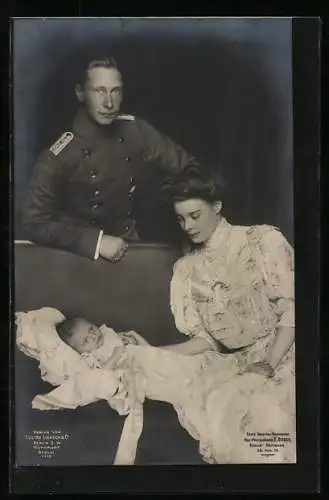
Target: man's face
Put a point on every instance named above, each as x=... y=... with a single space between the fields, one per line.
x=86 y=337
x=102 y=94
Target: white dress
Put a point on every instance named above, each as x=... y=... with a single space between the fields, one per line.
x=235 y=292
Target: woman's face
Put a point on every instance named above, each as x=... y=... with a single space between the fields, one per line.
x=198 y=218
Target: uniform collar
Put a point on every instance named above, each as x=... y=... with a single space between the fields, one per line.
x=220 y=234
x=85 y=127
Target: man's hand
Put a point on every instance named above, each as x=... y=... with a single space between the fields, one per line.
x=112 y=248
x=260 y=367
x=133 y=337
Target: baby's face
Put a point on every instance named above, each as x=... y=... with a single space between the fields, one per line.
x=86 y=337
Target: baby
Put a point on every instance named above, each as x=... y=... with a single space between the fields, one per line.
x=88 y=339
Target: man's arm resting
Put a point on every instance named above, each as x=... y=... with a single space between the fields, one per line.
x=40 y=221
x=82 y=241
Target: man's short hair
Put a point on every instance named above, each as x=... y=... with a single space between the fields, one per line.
x=104 y=62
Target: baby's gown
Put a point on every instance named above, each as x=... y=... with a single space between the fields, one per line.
x=237 y=290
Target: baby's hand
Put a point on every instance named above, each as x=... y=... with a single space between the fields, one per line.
x=127 y=338
x=133 y=338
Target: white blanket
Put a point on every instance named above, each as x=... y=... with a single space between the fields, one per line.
x=210 y=404
x=142 y=371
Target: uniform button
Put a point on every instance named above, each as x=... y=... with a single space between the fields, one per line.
x=129 y=213
x=86 y=153
x=95 y=206
x=130 y=196
x=93 y=174
x=126 y=228
x=128 y=158
x=120 y=139
x=96 y=192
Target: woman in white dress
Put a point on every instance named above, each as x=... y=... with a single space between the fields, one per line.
x=232 y=295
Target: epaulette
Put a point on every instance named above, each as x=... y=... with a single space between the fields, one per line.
x=126 y=117
x=61 y=143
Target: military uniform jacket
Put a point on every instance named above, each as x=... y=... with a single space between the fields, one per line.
x=85 y=182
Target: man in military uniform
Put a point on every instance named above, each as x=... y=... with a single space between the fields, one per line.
x=82 y=189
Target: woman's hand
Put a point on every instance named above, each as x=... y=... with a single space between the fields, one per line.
x=260 y=367
x=133 y=338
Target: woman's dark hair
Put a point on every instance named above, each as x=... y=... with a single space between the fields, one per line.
x=193 y=183
x=65 y=328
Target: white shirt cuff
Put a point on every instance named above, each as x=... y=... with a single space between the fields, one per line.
x=98 y=246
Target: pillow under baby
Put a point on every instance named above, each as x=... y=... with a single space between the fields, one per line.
x=37 y=337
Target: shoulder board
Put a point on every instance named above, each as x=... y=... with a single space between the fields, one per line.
x=61 y=143
x=126 y=117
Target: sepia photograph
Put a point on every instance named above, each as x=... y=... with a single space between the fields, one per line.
x=154 y=241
